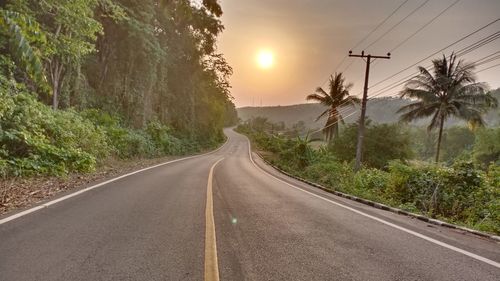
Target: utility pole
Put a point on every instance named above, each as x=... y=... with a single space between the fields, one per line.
x=361 y=127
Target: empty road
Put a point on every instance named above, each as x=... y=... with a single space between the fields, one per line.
x=252 y=224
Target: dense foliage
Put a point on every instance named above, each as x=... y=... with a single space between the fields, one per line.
x=383 y=142
x=38 y=140
x=84 y=80
x=466 y=192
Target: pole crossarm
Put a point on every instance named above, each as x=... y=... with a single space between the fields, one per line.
x=373 y=57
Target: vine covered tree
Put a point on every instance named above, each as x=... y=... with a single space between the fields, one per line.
x=450 y=90
x=336 y=97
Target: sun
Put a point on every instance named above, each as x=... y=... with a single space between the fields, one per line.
x=265 y=59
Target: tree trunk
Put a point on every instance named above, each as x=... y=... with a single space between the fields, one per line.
x=438 y=150
x=56 y=75
x=55 y=95
x=336 y=126
x=54 y=69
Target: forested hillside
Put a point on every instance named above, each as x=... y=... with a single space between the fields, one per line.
x=84 y=80
x=379 y=110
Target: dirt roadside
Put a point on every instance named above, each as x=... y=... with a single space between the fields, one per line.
x=16 y=193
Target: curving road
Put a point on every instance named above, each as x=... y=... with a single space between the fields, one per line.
x=253 y=224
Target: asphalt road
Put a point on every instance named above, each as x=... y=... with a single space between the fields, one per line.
x=160 y=224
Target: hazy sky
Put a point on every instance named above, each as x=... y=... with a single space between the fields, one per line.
x=309 y=38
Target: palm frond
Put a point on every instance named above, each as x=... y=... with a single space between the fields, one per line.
x=322 y=114
x=315 y=97
x=419 y=94
x=418 y=111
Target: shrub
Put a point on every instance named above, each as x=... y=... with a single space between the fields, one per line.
x=462 y=193
x=487 y=216
x=34 y=139
x=487 y=146
x=457 y=143
x=155 y=140
x=414 y=185
x=370 y=183
x=461 y=186
x=329 y=172
x=382 y=143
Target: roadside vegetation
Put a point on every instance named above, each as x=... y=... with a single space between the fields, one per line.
x=450 y=174
x=94 y=88
x=85 y=81
x=465 y=191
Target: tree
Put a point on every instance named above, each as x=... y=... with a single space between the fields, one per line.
x=71 y=31
x=451 y=90
x=337 y=97
x=22 y=31
x=487 y=147
x=141 y=60
x=384 y=142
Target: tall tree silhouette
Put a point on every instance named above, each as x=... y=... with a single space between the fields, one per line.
x=451 y=90
x=337 y=97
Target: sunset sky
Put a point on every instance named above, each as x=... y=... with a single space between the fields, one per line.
x=281 y=50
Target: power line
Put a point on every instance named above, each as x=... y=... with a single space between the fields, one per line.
x=379 y=25
x=476 y=63
x=484 y=60
x=488 y=68
x=480 y=43
x=488 y=60
x=398 y=23
x=465 y=50
x=364 y=39
x=424 y=26
x=459 y=53
x=438 y=51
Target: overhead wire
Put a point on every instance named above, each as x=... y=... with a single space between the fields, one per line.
x=461 y=52
x=364 y=39
x=489 y=58
x=484 y=60
x=424 y=26
x=379 y=25
x=464 y=51
x=488 y=68
x=438 y=51
x=398 y=23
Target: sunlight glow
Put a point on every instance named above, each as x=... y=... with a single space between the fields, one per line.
x=265 y=59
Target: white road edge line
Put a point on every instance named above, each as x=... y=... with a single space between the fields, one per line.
x=55 y=201
x=432 y=240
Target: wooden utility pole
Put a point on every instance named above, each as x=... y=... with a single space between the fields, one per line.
x=361 y=127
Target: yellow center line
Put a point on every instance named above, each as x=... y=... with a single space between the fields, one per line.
x=211 y=264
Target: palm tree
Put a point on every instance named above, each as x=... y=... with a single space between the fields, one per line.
x=338 y=96
x=450 y=91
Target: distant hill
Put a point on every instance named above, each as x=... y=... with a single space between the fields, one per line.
x=380 y=110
